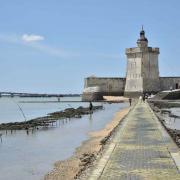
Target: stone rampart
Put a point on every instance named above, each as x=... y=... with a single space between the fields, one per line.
x=167 y=83
x=105 y=86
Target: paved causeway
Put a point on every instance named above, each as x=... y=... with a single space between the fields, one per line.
x=141 y=149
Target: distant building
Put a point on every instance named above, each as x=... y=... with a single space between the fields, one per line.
x=142 y=75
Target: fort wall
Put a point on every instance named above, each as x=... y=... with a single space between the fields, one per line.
x=97 y=87
x=168 y=83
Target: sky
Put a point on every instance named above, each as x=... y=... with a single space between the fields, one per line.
x=50 y=46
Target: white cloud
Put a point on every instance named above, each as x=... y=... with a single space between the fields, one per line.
x=32 y=37
x=32 y=41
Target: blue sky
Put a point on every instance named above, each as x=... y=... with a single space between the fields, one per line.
x=49 y=46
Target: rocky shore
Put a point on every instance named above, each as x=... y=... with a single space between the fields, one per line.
x=48 y=120
x=162 y=107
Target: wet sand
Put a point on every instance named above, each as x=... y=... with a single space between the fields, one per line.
x=116 y=98
x=86 y=153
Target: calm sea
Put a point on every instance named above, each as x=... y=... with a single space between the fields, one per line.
x=31 y=156
x=33 y=107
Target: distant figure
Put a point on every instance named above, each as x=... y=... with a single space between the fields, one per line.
x=27 y=130
x=90 y=107
x=58 y=99
x=130 y=101
x=140 y=98
x=144 y=97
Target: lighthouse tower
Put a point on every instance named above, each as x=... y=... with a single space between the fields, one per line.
x=142 y=75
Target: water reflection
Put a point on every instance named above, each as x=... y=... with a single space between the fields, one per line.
x=54 y=124
x=1 y=137
x=90 y=118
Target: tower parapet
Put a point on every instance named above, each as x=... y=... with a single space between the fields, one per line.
x=140 y=50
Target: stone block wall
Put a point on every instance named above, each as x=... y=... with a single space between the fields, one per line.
x=166 y=83
x=142 y=70
x=107 y=86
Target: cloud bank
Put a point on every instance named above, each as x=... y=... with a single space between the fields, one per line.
x=32 y=37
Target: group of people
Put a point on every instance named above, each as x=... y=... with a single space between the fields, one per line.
x=141 y=98
x=145 y=96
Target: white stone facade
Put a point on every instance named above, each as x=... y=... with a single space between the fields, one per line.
x=142 y=74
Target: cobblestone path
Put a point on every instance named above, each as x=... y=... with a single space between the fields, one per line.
x=141 y=149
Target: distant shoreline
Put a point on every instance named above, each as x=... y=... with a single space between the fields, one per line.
x=31 y=95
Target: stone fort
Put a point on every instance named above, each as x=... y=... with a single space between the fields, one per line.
x=142 y=76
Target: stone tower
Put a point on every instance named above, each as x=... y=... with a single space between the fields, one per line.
x=142 y=75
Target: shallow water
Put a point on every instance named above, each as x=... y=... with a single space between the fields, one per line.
x=33 y=107
x=171 y=122
x=31 y=156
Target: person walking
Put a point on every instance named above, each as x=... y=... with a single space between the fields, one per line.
x=130 y=101
x=144 y=98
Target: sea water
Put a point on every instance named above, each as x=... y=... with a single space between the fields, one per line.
x=33 y=107
x=31 y=156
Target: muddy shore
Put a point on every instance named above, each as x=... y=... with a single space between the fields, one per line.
x=162 y=107
x=83 y=157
